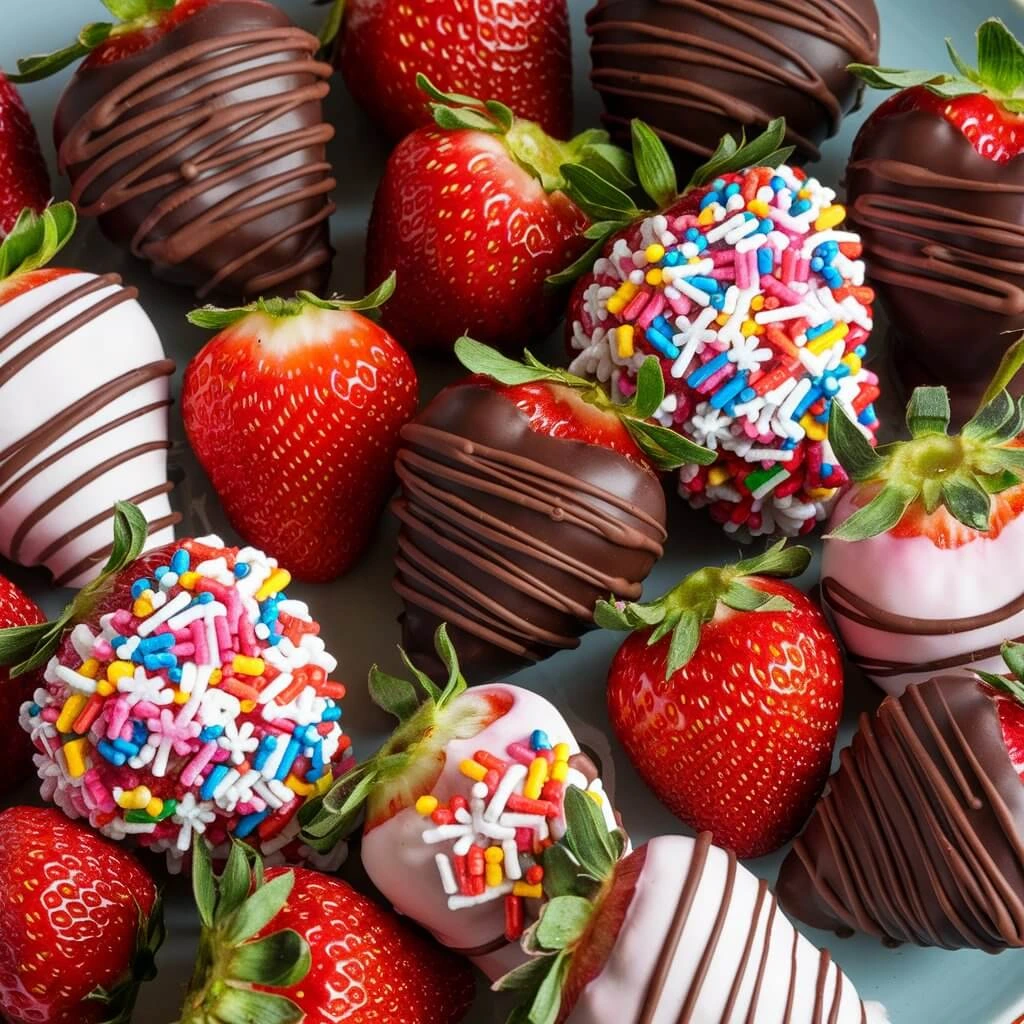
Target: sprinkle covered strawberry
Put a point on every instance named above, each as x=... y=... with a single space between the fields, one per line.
x=936 y=189
x=80 y=921
x=327 y=451
x=727 y=698
x=922 y=565
x=472 y=212
x=296 y=945
x=517 y=51
x=24 y=179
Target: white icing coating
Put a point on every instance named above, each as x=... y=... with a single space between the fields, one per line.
x=115 y=342
x=913 y=577
x=617 y=994
x=402 y=866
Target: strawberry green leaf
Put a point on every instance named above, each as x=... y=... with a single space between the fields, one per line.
x=764 y=151
x=43 y=65
x=332 y=26
x=430 y=688
x=336 y=815
x=611 y=163
x=234 y=882
x=967 y=502
x=586 y=834
x=897 y=78
x=595 y=196
x=650 y=389
x=989 y=420
x=1008 y=687
x=451 y=98
x=446 y=652
x=928 y=412
x=684 y=643
x=396 y=696
x=479 y=358
x=1000 y=58
x=851 y=447
x=1013 y=655
x=279 y=960
x=204 y=888
x=608 y=615
x=882 y=513
x=526 y=977
x=36 y=239
x=1009 y=367
x=742 y=598
x=562 y=921
x=259 y=909
x=654 y=166
x=668 y=449
x=581 y=265
x=548 y=1001
x=129 y=10
x=236 y=1004
x=931 y=494
x=781 y=559
x=561 y=872
x=996 y=483
x=962 y=67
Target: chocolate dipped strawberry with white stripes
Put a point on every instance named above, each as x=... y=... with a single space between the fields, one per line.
x=85 y=389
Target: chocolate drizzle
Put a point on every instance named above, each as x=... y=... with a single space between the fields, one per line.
x=204 y=153
x=695 y=70
x=23 y=460
x=511 y=536
x=920 y=837
x=844 y=603
x=943 y=232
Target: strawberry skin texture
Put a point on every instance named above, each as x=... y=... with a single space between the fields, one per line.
x=516 y=51
x=24 y=179
x=69 y=916
x=993 y=131
x=121 y=46
x=473 y=237
x=368 y=967
x=296 y=423
x=739 y=741
x=16 y=609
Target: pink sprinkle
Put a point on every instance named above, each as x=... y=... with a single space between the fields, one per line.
x=102 y=650
x=654 y=309
x=183 y=650
x=253 y=806
x=722 y=257
x=789 y=266
x=716 y=378
x=233 y=602
x=50 y=714
x=116 y=717
x=626 y=265
x=681 y=305
x=750 y=429
x=636 y=305
x=146 y=709
x=221 y=755
x=220 y=625
x=723 y=273
x=126 y=731
x=524 y=840
x=217 y=589
x=247 y=637
x=202 y=650
x=122 y=620
x=742 y=273
x=521 y=752
x=773 y=286
x=198 y=763
x=100 y=794
x=803 y=270
x=681 y=223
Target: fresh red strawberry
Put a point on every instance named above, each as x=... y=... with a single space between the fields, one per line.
x=473 y=214
x=727 y=698
x=24 y=179
x=16 y=609
x=294 y=944
x=159 y=18
x=517 y=51
x=80 y=923
x=311 y=396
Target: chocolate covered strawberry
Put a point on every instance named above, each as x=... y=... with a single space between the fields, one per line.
x=24 y=179
x=472 y=213
x=296 y=945
x=751 y=294
x=80 y=921
x=516 y=51
x=727 y=698
x=460 y=804
x=920 y=835
x=16 y=609
x=936 y=188
x=193 y=130
x=922 y=566
x=527 y=495
x=327 y=452
x=675 y=931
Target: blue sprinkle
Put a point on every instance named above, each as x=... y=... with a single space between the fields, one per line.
x=180 y=561
x=701 y=243
x=139 y=586
x=331 y=714
x=732 y=190
x=274 y=639
x=117 y=641
x=692 y=234
x=291 y=752
x=248 y=823
x=705 y=284
x=213 y=780
x=316 y=763
x=860 y=351
x=157 y=642
x=766 y=226
x=718 y=184
x=33 y=710
x=161 y=571
x=718 y=301
x=789 y=444
x=138 y=655
x=867 y=416
x=155 y=662
x=672 y=259
x=539 y=740
x=107 y=751
x=205 y=597
x=830 y=386
x=662 y=343
x=267 y=746
x=728 y=391
x=174 y=674
x=126 y=748
x=826 y=470
x=711 y=367
x=800 y=206
x=807 y=401
x=242 y=569
x=748 y=395
x=211 y=732
x=832 y=277
x=765 y=260
x=777 y=184
x=813 y=332
x=708 y=200
x=817 y=264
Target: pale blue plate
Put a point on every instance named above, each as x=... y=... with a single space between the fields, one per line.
x=358 y=614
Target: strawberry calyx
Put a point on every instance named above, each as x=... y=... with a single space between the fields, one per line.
x=120 y=1000
x=580 y=882
x=36 y=238
x=614 y=205
x=665 y=448
x=999 y=73
x=684 y=610
x=233 y=909
x=934 y=469
x=400 y=772
x=1012 y=684
x=132 y=16
x=26 y=648
x=214 y=318
x=547 y=159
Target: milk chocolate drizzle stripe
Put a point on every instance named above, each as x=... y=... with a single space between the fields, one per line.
x=109 y=133
x=888 y=669
x=945 y=269
x=835 y=22
x=748 y=946
x=919 y=831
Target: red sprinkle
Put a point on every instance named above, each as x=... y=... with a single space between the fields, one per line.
x=513 y=918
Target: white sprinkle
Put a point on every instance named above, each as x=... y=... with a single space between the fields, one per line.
x=175 y=605
x=488 y=896
x=513 y=869
x=444 y=869
x=515 y=774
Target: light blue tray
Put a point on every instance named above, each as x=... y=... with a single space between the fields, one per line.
x=358 y=614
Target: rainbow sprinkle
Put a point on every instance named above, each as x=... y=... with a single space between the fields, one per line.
x=755 y=303
x=498 y=835
x=204 y=707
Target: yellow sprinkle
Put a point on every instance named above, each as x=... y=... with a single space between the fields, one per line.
x=561 y=751
x=654 y=253
x=597 y=797
x=135 y=799
x=493 y=875
x=758 y=207
x=74 y=755
x=324 y=783
x=154 y=807
x=142 y=608
x=628 y=290
x=298 y=787
x=426 y=805
x=247 y=706
x=530 y=892
x=494 y=855
x=119 y=670
x=722 y=319
x=90 y=667
x=616 y=305
x=653 y=276
x=748 y=328
x=72 y=709
x=815 y=431
x=473 y=770
x=274 y=584
x=757 y=303
x=246 y=666
x=535 y=778
x=717 y=475
x=180 y=697
x=188 y=580
x=624 y=337
x=825 y=341
x=216 y=676
x=560 y=771
x=803 y=194
x=105 y=689
x=824 y=493
x=830 y=217
x=853 y=362
x=706 y=216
